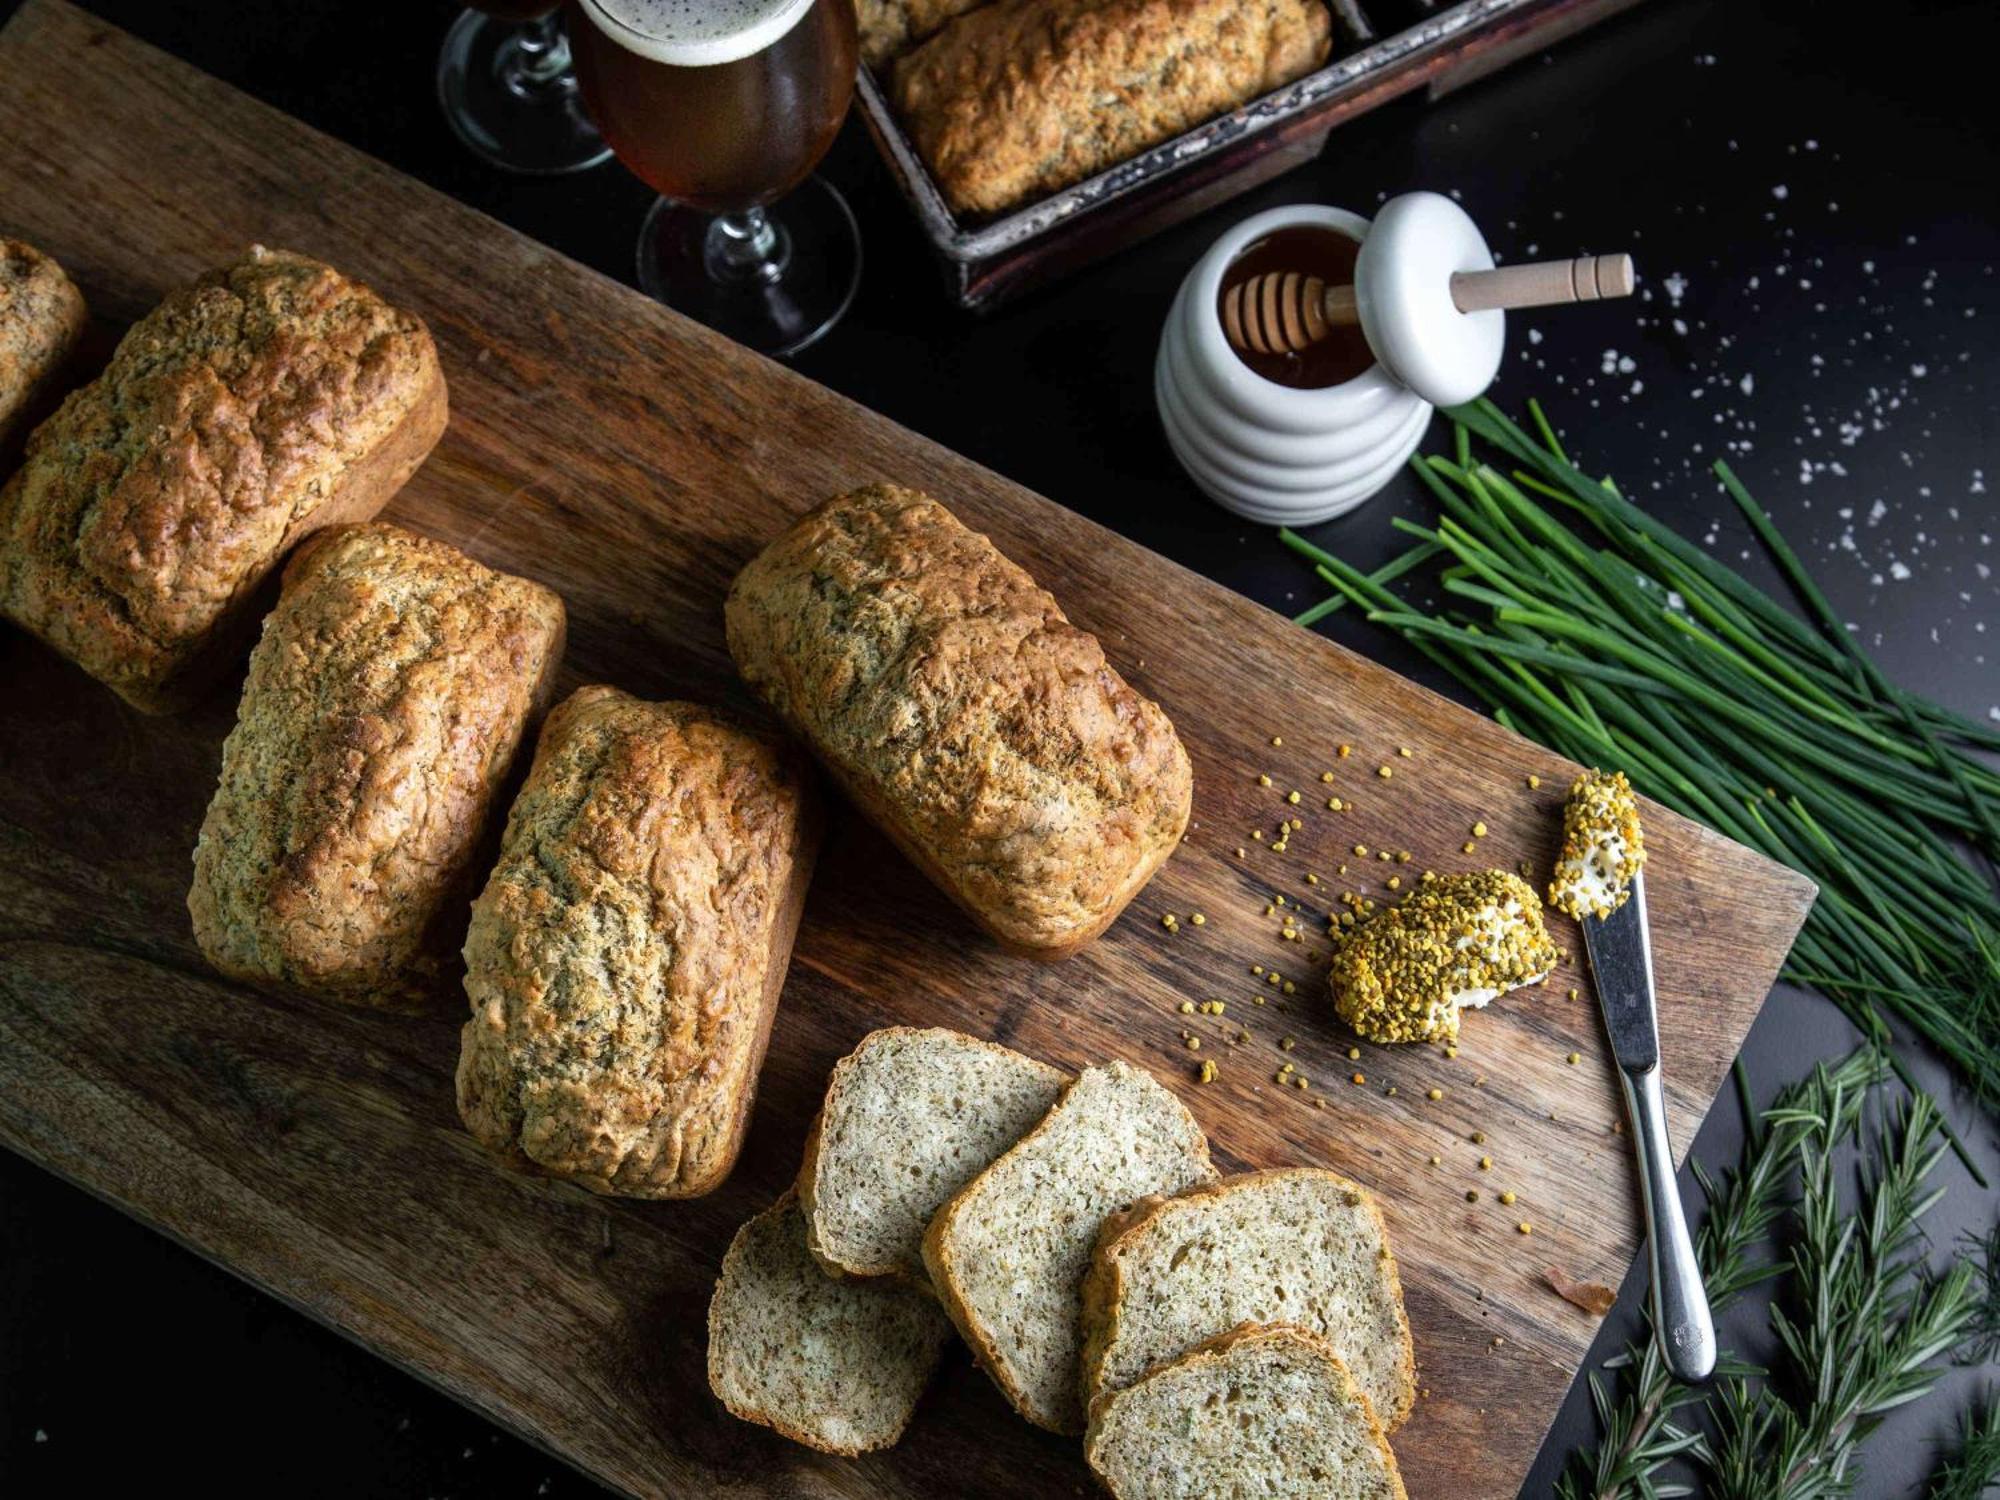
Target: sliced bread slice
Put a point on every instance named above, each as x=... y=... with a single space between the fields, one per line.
x=1299 y=1246
x=1007 y=1255
x=911 y=1116
x=1265 y=1412
x=836 y=1365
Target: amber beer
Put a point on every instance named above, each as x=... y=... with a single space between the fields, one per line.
x=725 y=105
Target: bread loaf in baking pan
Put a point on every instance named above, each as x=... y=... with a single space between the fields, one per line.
x=888 y=28
x=270 y=398
x=385 y=701
x=41 y=318
x=1019 y=98
x=625 y=957
x=951 y=698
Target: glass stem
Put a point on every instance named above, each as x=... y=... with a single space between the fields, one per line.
x=746 y=247
x=535 y=58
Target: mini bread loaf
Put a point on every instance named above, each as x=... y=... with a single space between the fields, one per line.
x=911 y=1116
x=625 y=958
x=1264 y=1412
x=1021 y=97
x=384 y=704
x=836 y=1365
x=41 y=318
x=952 y=700
x=1008 y=1254
x=890 y=27
x=269 y=399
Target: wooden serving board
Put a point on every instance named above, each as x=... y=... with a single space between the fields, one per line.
x=634 y=461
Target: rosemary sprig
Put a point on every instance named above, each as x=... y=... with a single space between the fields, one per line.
x=1591 y=626
x=1866 y=1327
x=1640 y=1433
x=1982 y=1343
x=1975 y=1467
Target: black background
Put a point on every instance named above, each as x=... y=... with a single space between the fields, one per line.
x=1822 y=182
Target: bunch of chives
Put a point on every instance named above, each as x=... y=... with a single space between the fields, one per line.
x=1590 y=626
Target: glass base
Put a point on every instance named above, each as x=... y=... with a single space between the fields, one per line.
x=510 y=95
x=773 y=281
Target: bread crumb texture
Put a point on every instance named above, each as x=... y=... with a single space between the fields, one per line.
x=41 y=317
x=233 y=418
x=1264 y=1412
x=624 y=957
x=1008 y=1255
x=836 y=1365
x=1300 y=1246
x=1018 y=98
x=383 y=707
x=949 y=695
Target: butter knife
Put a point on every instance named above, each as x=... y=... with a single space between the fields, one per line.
x=1621 y=959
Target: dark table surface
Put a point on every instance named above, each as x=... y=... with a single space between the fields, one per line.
x=1812 y=204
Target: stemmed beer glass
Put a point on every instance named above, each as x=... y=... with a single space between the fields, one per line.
x=724 y=107
x=508 y=92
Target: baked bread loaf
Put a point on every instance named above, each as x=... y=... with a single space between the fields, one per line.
x=1299 y=1246
x=1269 y=1412
x=269 y=399
x=1007 y=1256
x=911 y=1116
x=889 y=28
x=625 y=958
x=836 y=1365
x=956 y=705
x=1021 y=97
x=41 y=317
x=384 y=704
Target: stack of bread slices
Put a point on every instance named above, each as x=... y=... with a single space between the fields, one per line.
x=1206 y=1334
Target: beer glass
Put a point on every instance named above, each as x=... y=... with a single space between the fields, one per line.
x=508 y=91
x=724 y=107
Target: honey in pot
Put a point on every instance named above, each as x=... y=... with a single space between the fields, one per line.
x=1311 y=251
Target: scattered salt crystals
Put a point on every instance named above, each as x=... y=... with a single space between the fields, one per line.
x=1781 y=192
x=1680 y=327
x=1920 y=371
x=1993 y=713
x=1676 y=288
x=1898 y=570
x=42 y=1436
x=1747 y=384
x=1876 y=512
x=1978 y=482
x=1812 y=145
x=1534 y=335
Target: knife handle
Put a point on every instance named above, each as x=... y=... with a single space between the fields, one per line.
x=1680 y=1304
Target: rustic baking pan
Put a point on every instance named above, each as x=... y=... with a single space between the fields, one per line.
x=987 y=261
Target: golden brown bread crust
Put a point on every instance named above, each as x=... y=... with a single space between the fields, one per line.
x=949 y=696
x=270 y=398
x=41 y=318
x=888 y=28
x=625 y=958
x=1021 y=97
x=384 y=705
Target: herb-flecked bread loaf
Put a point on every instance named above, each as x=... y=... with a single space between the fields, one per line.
x=1007 y=1256
x=385 y=701
x=835 y=1364
x=269 y=399
x=1299 y=1245
x=41 y=317
x=1264 y=1412
x=890 y=27
x=1018 y=98
x=911 y=1116
x=625 y=957
x=948 y=695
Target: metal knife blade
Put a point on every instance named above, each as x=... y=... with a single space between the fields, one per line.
x=1621 y=958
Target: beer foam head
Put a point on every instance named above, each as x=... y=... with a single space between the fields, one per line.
x=696 y=33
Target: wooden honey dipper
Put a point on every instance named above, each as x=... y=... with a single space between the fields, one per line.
x=1282 y=312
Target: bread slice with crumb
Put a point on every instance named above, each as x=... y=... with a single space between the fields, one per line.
x=836 y=1365
x=1007 y=1255
x=1299 y=1246
x=911 y=1116
x=1269 y=1412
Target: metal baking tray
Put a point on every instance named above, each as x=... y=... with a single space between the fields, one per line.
x=988 y=261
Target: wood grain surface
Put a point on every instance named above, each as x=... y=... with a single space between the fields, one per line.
x=634 y=461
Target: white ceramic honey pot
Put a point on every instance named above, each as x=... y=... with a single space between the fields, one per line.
x=1429 y=303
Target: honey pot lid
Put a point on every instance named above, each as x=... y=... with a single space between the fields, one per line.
x=1402 y=293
